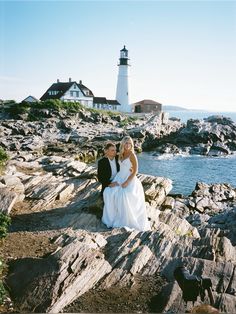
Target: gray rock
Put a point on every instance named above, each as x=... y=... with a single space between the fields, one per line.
x=197 y=219
x=57 y=280
x=155 y=188
x=14 y=184
x=7 y=200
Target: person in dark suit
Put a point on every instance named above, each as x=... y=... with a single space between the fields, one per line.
x=108 y=167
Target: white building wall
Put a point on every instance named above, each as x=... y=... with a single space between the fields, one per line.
x=71 y=95
x=122 y=89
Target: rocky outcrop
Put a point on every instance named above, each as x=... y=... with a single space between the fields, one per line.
x=213 y=136
x=116 y=259
x=83 y=134
x=56 y=281
x=7 y=200
x=64 y=193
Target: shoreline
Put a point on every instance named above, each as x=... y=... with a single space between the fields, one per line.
x=58 y=251
x=201 y=169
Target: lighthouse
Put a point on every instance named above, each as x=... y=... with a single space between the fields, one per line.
x=122 y=89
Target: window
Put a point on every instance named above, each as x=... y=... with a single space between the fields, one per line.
x=75 y=86
x=71 y=94
x=77 y=94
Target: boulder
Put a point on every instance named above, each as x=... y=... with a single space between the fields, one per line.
x=14 y=184
x=155 y=188
x=7 y=200
x=55 y=281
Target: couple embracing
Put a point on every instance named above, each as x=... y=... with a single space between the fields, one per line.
x=123 y=195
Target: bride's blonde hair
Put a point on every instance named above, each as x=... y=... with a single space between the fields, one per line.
x=122 y=145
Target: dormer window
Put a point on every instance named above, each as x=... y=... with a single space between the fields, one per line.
x=53 y=92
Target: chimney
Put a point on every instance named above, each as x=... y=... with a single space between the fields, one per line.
x=58 y=81
x=80 y=81
x=69 y=79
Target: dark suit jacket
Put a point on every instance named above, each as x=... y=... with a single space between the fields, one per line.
x=104 y=171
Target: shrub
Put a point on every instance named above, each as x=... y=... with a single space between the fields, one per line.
x=57 y=105
x=50 y=104
x=20 y=108
x=128 y=120
x=4 y=295
x=9 y=101
x=103 y=111
x=123 y=123
x=71 y=107
x=2 y=289
x=5 y=221
x=2 y=292
x=3 y=156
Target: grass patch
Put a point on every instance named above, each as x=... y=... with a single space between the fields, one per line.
x=3 y=157
x=33 y=109
x=127 y=121
x=4 y=224
x=2 y=288
x=104 y=112
x=5 y=221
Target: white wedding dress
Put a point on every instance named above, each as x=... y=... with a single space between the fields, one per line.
x=125 y=207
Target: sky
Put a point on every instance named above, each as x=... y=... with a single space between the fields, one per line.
x=182 y=53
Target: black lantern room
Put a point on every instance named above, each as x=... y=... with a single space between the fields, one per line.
x=124 y=57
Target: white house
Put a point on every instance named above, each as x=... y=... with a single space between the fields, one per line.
x=70 y=91
x=105 y=104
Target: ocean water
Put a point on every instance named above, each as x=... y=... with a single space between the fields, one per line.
x=185 y=171
x=194 y=114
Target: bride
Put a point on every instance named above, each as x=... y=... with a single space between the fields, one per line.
x=124 y=202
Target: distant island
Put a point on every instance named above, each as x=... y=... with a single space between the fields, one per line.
x=176 y=108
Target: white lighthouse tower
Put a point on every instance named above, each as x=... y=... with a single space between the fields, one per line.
x=122 y=89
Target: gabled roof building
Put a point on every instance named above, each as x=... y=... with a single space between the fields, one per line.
x=105 y=104
x=73 y=91
x=69 y=91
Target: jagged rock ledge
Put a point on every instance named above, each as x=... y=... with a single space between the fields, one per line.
x=82 y=135
x=64 y=196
